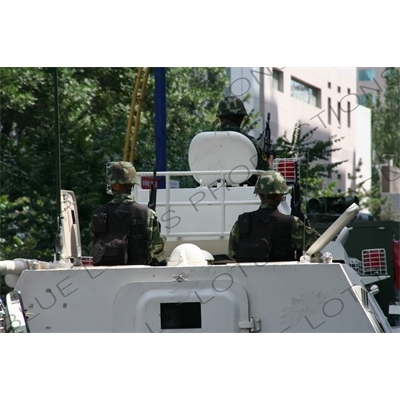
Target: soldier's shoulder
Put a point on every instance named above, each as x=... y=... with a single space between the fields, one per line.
x=151 y=212
x=100 y=209
x=301 y=225
x=230 y=126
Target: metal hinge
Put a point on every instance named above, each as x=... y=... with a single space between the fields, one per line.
x=254 y=324
x=180 y=277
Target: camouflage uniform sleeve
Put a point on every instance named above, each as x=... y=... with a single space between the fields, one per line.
x=232 y=240
x=156 y=239
x=90 y=245
x=91 y=229
x=300 y=231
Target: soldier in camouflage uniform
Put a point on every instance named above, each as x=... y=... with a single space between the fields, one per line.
x=122 y=225
x=231 y=113
x=266 y=234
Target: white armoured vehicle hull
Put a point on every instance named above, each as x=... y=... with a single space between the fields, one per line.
x=293 y=297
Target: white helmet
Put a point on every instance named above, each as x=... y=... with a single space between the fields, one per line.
x=187 y=255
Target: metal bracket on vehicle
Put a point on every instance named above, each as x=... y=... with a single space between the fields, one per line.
x=394 y=309
x=254 y=324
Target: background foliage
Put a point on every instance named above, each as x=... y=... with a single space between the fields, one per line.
x=94 y=106
x=314 y=157
x=385 y=130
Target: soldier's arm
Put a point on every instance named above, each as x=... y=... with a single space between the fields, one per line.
x=303 y=235
x=156 y=239
x=271 y=159
x=91 y=229
x=232 y=240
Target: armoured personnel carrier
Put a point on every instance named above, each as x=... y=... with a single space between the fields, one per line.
x=201 y=289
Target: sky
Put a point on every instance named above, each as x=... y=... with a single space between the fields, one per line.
x=208 y=33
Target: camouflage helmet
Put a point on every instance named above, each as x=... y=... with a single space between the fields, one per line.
x=122 y=172
x=231 y=105
x=271 y=182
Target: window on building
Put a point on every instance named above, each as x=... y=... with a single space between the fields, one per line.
x=329 y=85
x=367 y=99
x=329 y=110
x=304 y=92
x=338 y=114
x=348 y=115
x=277 y=79
x=366 y=74
x=338 y=89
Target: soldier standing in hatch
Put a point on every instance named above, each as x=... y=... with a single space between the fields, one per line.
x=123 y=231
x=231 y=113
x=266 y=234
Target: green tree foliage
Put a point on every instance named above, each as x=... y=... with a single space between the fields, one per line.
x=385 y=118
x=94 y=105
x=385 y=132
x=388 y=212
x=315 y=160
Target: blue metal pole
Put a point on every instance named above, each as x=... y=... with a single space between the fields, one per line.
x=161 y=122
x=58 y=165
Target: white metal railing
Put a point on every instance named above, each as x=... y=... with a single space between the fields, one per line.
x=220 y=184
x=356 y=264
x=221 y=173
x=288 y=167
x=373 y=262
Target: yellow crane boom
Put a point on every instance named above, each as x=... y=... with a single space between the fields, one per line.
x=130 y=142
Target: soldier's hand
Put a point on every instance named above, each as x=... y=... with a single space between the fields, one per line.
x=271 y=159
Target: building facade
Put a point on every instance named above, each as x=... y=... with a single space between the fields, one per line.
x=370 y=82
x=322 y=98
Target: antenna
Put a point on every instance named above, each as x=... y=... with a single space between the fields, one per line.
x=305 y=215
x=58 y=241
